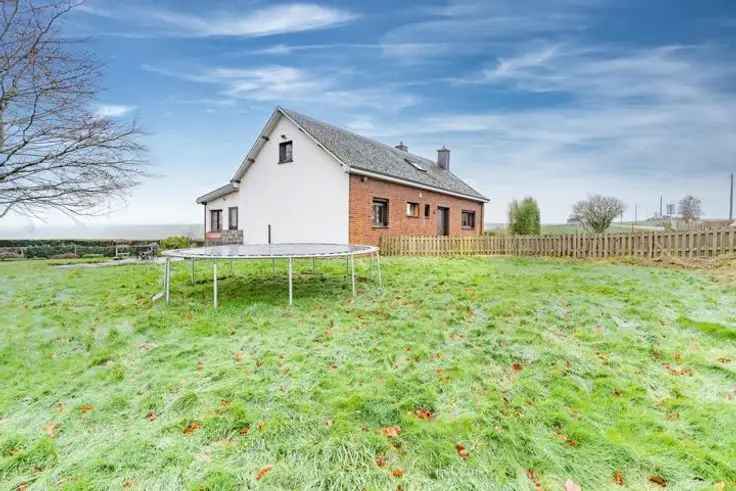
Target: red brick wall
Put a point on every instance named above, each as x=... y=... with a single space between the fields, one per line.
x=364 y=189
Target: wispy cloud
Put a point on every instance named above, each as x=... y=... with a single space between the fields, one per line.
x=473 y=26
x=112 y=110
x=266 y=21
x=278 y=83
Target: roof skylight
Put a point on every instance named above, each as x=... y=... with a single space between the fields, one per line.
x=415 y=165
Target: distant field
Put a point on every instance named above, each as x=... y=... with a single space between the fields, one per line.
x=465 y=373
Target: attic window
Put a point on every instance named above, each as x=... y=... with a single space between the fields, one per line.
x=285 y=152
x=415 y=165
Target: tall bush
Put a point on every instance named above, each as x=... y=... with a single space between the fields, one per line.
x=524 y=217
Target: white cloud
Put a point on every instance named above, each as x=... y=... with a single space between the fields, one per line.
x=474 y=26
x=626 y=122
x=112 y=110
x=266 y=21
x=281 y=84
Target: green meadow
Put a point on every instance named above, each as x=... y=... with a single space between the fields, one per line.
x=462 y=373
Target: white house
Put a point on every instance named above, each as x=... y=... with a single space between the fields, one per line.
x=308 y=181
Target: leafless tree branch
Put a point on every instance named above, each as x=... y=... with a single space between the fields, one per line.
x=55 y=152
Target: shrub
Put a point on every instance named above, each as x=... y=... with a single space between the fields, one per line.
x=597 y=212
x=524 y=217
x=175 y=242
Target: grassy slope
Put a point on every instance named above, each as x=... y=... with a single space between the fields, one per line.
x=597 y=347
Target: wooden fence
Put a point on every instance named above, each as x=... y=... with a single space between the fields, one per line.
x=707 y=243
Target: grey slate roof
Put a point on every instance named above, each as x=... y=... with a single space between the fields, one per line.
x=363 y=153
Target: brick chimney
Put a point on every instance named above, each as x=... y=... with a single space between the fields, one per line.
x=443 y=158
x=402 y=147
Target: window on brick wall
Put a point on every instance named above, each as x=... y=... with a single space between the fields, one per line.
x=232 y=218
x=412 y=209
x=426 y=211
x=468 y=219
x=215 y=220
x=380 y=212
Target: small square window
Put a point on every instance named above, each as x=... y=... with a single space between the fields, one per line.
x=285 y=152
x=380 y=212
x=468 y=219
x=412 y=209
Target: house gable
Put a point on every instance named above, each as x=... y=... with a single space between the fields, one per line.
x=304 y=199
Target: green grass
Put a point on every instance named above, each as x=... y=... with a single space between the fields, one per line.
x=572 y=369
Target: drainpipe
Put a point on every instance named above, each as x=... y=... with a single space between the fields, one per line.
x=204 y=205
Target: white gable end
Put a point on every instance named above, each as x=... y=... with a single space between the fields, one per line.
x=305 y=200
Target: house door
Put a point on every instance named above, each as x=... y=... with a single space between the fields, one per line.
x=443 y=220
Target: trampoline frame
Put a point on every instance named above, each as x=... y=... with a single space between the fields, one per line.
x=354 y=250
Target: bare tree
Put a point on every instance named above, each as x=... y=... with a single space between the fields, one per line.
x=55 y=152
x=597 y=212
x=690 y=208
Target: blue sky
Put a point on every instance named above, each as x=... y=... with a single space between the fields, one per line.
x=555 y=100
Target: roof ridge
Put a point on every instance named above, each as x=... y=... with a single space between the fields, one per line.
x=361 y=136
x=376 y=156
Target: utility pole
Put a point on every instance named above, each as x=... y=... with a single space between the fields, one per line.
x=730 y=205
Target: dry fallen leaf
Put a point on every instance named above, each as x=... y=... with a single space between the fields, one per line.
x=200 y=365
x=86 y=408
x=22 y=486
x=192 y=427
x=533 y=478
x=238 y=356
x=398 y=472
x=618 y=477
x=263 y=471
x=391 y=431
x=51 y=429
x=381 y=461
x=151 y=415
x=461 y=451
x=245 y=430
x=516 y=366
x=659 y=480
x=260 y=425
x=571 y=486
x=424 y=414
x=128 y=483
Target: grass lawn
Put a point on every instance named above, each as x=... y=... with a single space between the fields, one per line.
x=467 y=373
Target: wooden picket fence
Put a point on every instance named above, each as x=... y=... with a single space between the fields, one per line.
x=706 y=243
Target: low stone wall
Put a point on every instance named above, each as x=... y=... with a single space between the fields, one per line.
x=225 y=237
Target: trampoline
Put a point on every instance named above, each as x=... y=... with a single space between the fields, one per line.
x=288 y=252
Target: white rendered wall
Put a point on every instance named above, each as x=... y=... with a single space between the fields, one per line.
x=304 y=201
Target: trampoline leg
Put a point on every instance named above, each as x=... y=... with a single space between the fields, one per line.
x=352 y=271
x=192 y=271
x=214 y=284
x=291 y=286
x=167 y=279
x=378 y=265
